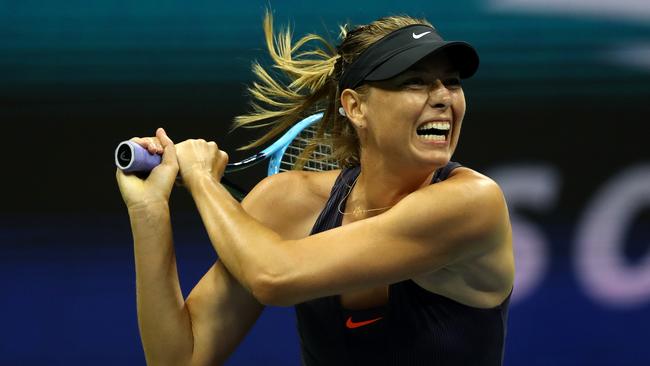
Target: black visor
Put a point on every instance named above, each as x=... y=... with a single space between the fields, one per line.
x=401 y=49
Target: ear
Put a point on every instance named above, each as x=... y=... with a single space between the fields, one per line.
x=351 y=102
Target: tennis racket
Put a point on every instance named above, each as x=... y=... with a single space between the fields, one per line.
x=283 y=154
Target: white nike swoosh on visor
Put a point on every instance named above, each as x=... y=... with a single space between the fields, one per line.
x=418 y=36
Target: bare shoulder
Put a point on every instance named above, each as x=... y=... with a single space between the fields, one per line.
x=464 y=189
x=481 y=198
x=470 y=176
x=290 y=202
x=469 y=186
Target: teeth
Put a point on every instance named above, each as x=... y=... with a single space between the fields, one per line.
x=437 y=125
x=433 y=137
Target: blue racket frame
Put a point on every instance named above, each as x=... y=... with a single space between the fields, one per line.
x=275 y=151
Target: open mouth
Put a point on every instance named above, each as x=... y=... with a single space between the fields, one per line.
x=434 y=131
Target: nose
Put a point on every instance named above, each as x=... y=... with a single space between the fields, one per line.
x=439 y=95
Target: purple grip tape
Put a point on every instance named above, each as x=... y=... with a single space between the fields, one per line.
x=131 y=157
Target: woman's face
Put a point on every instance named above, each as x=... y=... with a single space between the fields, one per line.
x=415 y=117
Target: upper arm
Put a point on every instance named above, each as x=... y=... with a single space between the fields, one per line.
x=221 y=309
x=436 y=226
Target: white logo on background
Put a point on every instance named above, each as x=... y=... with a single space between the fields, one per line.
x=418 y=36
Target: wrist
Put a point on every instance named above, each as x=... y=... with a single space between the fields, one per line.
x=196 y=178
x=146 y=207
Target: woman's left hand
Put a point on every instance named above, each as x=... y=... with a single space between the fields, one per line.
x=197 y=158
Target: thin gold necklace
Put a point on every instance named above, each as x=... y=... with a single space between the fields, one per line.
x=357 y=210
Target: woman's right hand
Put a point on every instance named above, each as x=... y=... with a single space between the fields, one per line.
x=156 y=188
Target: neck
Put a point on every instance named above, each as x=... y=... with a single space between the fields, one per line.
x=382 y=186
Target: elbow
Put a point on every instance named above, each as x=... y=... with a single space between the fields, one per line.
x=272 y=290
x=274 y=281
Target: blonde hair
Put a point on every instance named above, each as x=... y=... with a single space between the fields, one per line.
x=307 y=82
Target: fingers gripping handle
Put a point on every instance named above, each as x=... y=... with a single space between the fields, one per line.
x=131 y=157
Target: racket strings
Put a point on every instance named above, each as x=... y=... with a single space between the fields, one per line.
x=305 y=155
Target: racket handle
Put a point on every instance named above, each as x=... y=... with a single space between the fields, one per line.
x=131 y=157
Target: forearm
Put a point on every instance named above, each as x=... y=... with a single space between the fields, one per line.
x=252 y=252
x=164 y=322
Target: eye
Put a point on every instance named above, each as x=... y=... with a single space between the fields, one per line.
x=414 y=82
x=452 y=82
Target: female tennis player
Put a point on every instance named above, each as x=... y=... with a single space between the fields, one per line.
x=402 y=257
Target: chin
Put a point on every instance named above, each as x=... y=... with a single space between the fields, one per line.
x=434 y=161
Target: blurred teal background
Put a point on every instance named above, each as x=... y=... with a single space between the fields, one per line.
x=557 y=115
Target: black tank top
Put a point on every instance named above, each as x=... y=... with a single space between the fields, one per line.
x=415 y=327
